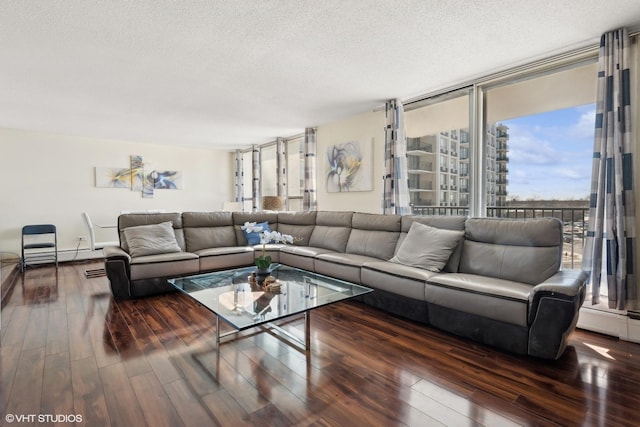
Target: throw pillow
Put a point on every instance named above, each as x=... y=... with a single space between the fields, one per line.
x=151 y=239
x=253 y=237
x=427 y=247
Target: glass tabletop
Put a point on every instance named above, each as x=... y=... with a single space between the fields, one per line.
x=230 y=295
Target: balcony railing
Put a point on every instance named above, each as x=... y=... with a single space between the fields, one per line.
x=574 y=223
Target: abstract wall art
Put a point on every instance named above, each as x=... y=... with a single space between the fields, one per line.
x=113 y=177
x=137 y=179
x=137 y=173
x=167 y=180
x=349 y=167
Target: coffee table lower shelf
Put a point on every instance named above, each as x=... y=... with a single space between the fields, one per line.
x=271 y=327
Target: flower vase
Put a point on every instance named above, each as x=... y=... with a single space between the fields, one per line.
x=261 y=274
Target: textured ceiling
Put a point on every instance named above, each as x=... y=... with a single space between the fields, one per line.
x=227 y=74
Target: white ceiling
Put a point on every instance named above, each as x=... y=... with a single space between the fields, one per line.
x=227 y=74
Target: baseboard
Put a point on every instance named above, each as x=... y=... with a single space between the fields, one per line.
x=614 y=324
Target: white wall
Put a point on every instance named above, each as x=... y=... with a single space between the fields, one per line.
x=50 y=179
x=363 y=127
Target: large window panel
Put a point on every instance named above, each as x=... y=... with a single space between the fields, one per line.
x=247 y=180
x=269 y=170
x=295 y=174
x=437 y=133
x=538 y=141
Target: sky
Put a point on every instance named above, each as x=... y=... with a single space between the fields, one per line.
x=550 y=154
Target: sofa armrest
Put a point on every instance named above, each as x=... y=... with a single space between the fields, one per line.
x=565 y=282
x=116 y=251
x=117 y=266
x=554 y=306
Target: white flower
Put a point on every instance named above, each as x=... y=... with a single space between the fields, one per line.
x=275 y=237
x=251 y=227
x=265 y=237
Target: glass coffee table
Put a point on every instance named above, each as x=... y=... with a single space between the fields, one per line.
x=243 y=305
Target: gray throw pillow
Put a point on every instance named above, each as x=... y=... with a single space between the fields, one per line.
x=427 y=247
x=151 y=239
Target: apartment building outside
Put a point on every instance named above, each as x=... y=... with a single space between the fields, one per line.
x=439 y=171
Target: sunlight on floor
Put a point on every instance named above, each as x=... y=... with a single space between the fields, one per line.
x=600 y=350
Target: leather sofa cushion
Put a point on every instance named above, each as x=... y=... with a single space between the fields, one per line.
x=207 y=219
x=503 y=300
x=341 y=266
x=198 y=238
x=376 y=222
x=301 y=233
x=334 y=219
x=300 y=225
x=377 y=244
x=204 y=230
x=530 y=265
x=164 y=265
x=345 y=259
x=515 y=232
x=297 y=218
x=395 y=278
x=225 y=257
x=528 y=251
x=333 y=238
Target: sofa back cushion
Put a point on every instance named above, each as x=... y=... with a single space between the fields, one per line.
x=135 y=219
x=453 y=222
x=522 y=250
x=299 y=225
x=332 y=230
x=204 y=230
x=374 y=235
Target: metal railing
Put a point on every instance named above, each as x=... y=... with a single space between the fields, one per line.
x=575 y=221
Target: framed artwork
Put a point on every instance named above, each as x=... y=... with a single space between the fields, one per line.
x=350 y=167
x=137 y=179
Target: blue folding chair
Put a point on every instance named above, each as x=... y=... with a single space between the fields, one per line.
x=39 y=245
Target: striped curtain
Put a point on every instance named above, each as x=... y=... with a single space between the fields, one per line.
x=611 y=240
x=396 y=178
x=255 y=189
x=281 y=165
x=309 y=202
x=239 y=178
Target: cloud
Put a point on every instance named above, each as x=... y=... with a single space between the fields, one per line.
x=570 y=173
x=585 y=127
x=526 y=149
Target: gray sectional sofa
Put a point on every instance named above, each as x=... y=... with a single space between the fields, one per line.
x=496 y=281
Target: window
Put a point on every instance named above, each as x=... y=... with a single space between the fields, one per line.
x=295 y=173
x=540 y=150
x=527 y=151
x=442 y=122
x=268 y=173
x=247 y=180
x=269 y=170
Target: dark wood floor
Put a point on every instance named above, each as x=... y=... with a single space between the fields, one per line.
x=67 y=348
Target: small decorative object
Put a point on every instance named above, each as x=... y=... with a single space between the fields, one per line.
x=263 y=262
x=271 y=285
x=262 y=274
